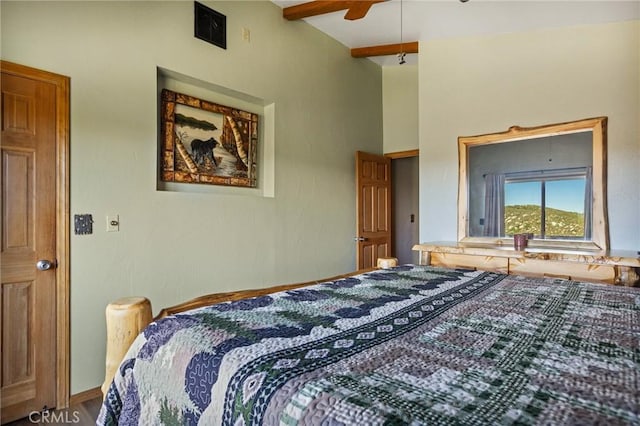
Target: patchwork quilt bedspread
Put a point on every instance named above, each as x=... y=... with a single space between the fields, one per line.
x=411 y=345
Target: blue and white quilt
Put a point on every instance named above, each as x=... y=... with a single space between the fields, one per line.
x=411 y=345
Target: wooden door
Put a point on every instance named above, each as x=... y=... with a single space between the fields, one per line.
x=373 y=212
x=29 y=177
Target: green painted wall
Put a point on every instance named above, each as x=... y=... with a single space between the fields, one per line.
x=400 y=108
x=173 y=246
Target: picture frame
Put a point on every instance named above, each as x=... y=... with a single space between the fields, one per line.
x=205 y=142
x=210 y=25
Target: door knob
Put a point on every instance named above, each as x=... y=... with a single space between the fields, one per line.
x=359 y=239
x=45 y=265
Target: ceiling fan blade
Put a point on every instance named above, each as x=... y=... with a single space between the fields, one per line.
x=356 y=9
x=313 y=8
x=359 y=9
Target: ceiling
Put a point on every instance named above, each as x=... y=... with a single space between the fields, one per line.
x=424 y=20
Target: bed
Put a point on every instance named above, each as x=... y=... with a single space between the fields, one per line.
x=407 y=345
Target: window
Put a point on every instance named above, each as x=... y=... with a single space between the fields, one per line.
x=549 y=204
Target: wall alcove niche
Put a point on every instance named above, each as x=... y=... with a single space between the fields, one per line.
x=212 y=93
x=549 y=181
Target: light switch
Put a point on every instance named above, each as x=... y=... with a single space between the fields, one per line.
x=113 y=223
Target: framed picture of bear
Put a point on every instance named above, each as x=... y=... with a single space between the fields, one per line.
x=204 y=142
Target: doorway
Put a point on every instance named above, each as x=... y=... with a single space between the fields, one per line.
x=405 y=192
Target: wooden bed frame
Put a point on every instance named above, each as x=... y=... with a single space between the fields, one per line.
x=212 y=299
x=128 y=316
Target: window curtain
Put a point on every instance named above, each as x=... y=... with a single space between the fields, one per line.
x=494 y=205
x=588 y=202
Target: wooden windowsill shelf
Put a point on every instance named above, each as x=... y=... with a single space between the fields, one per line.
x=611 y=266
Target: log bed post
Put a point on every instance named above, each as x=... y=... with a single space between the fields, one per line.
x=387 y=262
x=126 y=318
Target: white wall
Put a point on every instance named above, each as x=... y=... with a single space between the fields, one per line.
x=481 y=85
x=173 y=246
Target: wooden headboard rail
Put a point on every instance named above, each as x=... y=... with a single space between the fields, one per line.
x=129 y=316
x=125 y=320
x=211 y=299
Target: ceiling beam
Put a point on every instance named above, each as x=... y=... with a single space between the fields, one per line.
x=383 y=50
x=355 y=9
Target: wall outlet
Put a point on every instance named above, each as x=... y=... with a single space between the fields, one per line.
x=113 y=223
x=246 y=34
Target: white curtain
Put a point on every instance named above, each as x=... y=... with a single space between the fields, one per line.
x=494 y=205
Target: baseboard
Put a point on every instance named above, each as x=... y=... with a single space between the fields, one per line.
x=84 y=396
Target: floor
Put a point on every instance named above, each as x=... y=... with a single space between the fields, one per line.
x=82 y=414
